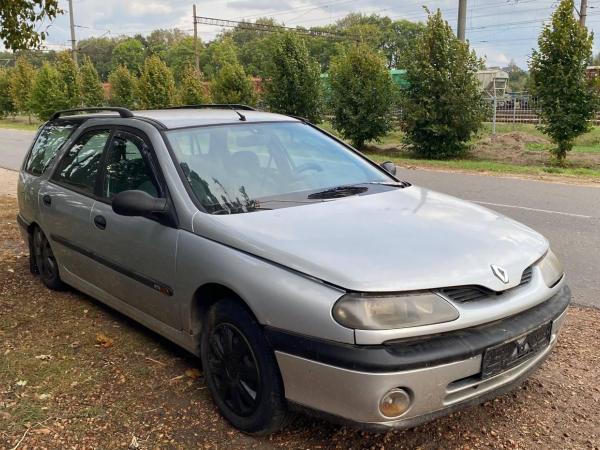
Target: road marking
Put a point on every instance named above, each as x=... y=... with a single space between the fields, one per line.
x=534 y=209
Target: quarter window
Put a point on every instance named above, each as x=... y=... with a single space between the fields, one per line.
x=126 y=168
x=79 y=167
x=49 y=140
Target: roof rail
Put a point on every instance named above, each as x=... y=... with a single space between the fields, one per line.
x=123 y=112
x=214 y=106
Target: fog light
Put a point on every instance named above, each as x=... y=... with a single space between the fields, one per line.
x=395 y=403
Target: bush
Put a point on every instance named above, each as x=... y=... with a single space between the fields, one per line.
x=156 y=86
x=20 y=84
x=123 y=88
x=293 y=79
x=6 y=104
x=442 y=106
x=362 y=95
x=70 y=74
x=191 y=90
x=92 y=93
x=48 y=93
x=233 y=86
x=566 y=99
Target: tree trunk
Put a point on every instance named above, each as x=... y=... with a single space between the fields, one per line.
x=561 y=152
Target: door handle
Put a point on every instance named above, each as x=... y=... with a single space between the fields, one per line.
x=47 y=200
x=100 y=222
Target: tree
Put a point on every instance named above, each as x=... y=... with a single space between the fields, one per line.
x=294 y=83
x=442 y=105
x=92 y=93
x=129 y=53
x=6 y=104
x=218 y=53
x=566 y=99
x=20 y=84
x=123 y=88
x=179 y=55
x=160 y=41
x=70 y=74
x=20 y=21
x=99 y=50
x=48 y=93
x=156 y=86
x=233 y=86
x=362 y=95
x=191 y=90
x=518 y=79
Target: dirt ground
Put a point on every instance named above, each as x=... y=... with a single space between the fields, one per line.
x=75 y=374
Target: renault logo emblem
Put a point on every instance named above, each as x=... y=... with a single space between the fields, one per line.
x=500 y=273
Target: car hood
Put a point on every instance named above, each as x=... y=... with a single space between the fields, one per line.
x=403 y=239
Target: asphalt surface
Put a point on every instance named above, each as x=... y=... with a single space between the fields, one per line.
x=568 y=215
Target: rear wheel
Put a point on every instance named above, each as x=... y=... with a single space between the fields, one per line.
x=45 y=261
x=241 y=370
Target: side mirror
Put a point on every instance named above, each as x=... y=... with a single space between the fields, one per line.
x=389 y=167
x=138 y=203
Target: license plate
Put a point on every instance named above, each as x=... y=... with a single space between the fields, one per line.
x=509 y=354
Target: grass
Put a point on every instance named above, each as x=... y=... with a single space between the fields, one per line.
x=20 y=123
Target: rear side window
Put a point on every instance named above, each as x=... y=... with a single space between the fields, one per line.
x=79 y=166
x=49 y=140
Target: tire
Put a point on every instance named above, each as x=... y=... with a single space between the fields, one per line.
x=241 y=370
x=45 y=262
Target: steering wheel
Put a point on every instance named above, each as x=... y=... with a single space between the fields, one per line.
x=306 y=167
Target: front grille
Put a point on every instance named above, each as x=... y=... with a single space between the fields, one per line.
x=463 y=294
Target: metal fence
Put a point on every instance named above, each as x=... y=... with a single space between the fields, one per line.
x=516 y=107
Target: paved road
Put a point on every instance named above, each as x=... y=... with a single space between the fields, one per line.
x=568 y=215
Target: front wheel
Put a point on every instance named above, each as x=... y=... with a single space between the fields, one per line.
x=241 y=370
x=45 y=262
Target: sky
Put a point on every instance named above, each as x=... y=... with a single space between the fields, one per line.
x=498 y=30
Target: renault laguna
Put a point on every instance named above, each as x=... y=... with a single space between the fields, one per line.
x=304 y=275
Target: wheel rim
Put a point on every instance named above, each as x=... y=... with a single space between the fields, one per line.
x=44 y=257
x=233 y=369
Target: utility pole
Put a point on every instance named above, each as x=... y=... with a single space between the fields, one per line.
x=196 y=55
x=73 y=41
x=462 y=19
x=583 y=12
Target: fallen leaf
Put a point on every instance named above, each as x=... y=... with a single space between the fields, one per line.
x=104 y=341
x=43 y=357
x=21 y=383
x=193 y=373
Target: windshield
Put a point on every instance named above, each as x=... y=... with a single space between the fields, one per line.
x=238 y=168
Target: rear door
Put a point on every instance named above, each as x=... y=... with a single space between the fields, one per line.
x=136 y=255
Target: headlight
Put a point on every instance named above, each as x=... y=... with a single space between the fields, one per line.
x=369 y=312
x=551 y=268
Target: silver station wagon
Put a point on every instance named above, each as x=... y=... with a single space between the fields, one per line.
x=303 y=275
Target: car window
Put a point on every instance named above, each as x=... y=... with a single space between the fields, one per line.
x=126 y=169
x=80 y=164
x=48 y=141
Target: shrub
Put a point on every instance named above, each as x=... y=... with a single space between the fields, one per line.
x=49 y=92
x=123 y=88
x=156 y=87
x=6 y=104
x=70 y=74
x=20 y=84
x=191 y=90
x=233 y=86
x=92 y=93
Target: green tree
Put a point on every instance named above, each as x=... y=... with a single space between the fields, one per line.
x=6 y=104
x=49 y=92
x=217 y=54
x=293 y=80
x=123 y=88
x=20 y=21
x=20 y=84
x=70 y=74
x=92 y=93
x=131 y=54
x=99 y=50
x=156 y=86
x=160 y=41
x=191 y=89
x=442 y=105
x=233 y=86
x=362 y=95
x=179 y=55
x=566 y=99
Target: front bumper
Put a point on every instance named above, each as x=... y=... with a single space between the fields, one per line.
x=440 y=379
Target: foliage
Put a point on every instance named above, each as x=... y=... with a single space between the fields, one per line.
x=48 y=92
x=20 y=84
x=441 y=106
x=21 y=19
x=179 y=55
x=123 y=87
x=191 y=89
x=566 y=99
x=160 y=41
x=131 y=54
x=233 y=86
x=70 y=75
x=99 y=50
x=218 y=54
x=6 y=104
x=518 y=79
x=92 y=93
x=294 y=84
x=362 y=95
x=156 y=86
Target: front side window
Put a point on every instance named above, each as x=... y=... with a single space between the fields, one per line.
x=80 y=165
x=47 y=144
x=126 y=169
x=240 y=166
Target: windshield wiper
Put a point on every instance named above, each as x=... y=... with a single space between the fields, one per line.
x=338 y=192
